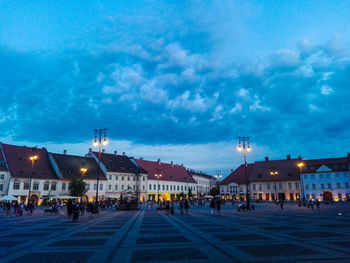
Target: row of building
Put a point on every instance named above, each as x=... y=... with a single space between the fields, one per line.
x=290 y=179
x=50 y=174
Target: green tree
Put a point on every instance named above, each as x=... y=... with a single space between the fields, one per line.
x=214 y=191
x=77 y=187
x=182 y=194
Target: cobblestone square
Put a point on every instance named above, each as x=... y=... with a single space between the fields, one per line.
x=268 y=234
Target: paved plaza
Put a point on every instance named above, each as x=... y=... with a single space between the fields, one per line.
x=264 y=235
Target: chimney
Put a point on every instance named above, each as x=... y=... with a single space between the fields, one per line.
x=172 y=163
x=90 y=150
x=123 y=153
x=103 y=150
x=64 y=151
x=158 y=161
x=266 y=159
x=141 y=158
x=115 y=152
x=288 y=156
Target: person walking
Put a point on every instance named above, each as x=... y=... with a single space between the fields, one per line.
x=181 y=207
x=76 y=211
x=172 y=208
x=187 y=206
x=218 y=206
x=69 y=209
x=317 y=203
x=212 y=206
x=281 y=203
x=167 y=208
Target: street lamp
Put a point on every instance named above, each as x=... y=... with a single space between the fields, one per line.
x=274 y=173
x=243 y=145
x=218 y=176
x=83 y=171
x=99 y=133
x=301 y=165
x=33 y=158
x=158 y=175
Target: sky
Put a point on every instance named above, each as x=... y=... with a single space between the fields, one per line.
x=177 y=80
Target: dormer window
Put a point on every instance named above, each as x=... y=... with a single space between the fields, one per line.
x=336 y=166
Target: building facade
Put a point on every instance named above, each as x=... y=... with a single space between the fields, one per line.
x=203 y=182
x=175 y=181
x=326 y=179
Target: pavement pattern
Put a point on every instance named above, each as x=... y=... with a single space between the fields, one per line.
x=267 y=234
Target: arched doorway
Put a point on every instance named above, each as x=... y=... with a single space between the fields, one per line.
x=34 y=199
x=327 y=197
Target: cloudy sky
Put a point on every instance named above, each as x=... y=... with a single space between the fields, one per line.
x=177 y=80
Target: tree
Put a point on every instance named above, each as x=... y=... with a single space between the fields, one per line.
x=77 y=187
x=214 y=191
x=182 y=194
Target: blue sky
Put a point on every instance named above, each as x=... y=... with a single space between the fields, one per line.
x=177 y=80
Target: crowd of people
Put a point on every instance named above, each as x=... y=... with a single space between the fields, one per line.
x=16 y=208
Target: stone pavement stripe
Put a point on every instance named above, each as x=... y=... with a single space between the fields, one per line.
x=21 y=250
x=215 y=253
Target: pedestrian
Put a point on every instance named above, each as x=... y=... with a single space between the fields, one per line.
x=8 y=208
x=187 y=206
x=317 y=203
x=218 y=206
x=76 y=211
x=167 y=208
x=312 y=204
x=181 y=207
x=69 y=209
x=281 y=203
x=212 y=206
x=172 y=208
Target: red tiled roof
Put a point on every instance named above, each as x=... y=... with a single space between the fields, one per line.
x=335 y=164
x=20 y=166
x=238 y=175
x=70 y=166
x=169 y=172
x=287 y=170
x=119 y=163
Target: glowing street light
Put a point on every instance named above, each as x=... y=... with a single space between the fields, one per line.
x=99 y=133
x=32 y=158
x=243 y=145
x=158 y=175
x=274 y=173
x=301 y=164
x=83 y=171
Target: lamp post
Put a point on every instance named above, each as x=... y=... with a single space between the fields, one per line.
x=99 y=133
x=218 y=176
x=274 y=173
x=33 y=158
x=301 y=165
x=243 y=145
x=83 y=172
x=158 y=175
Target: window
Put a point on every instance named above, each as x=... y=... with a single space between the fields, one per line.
x=313 y=176
x=167 y=187
x=110 y=177
x=306 y=186
x=163 y=187
x=16 y=185
x=63 y=186
x=143 y=178
x=346 y=185
x=313 y=186
x=328 y=176
x=128 y=178
x=312 y=168
x=95 y=186
x=154 y=187
x=36 y=186
x=53 y=187
x=268 y=186
x=289 y=185
x=122 y=187
x=178 y=188
x=158 y=187
x=116 y=187
x=280 y=186
x=329 y=186
x=26 y=186
x=150 y=187
x=322 y=186
x=69 y=185
x=128 y=187
x=133 y=187
x=274 y=187
x=335 y=166
x=134 y=178
x=2 y=176
x=305 y=176
x=171 y=187
x=254 y=187
x=321 y=176
x=182 y=188
x=296 y=185
x=46 y=186
x=1 y=187
x=339 y=196
x=116 y=177
x=345 y=175
x=338 y=185
x=307 y=196
x=101 y=186
x=185 y=188
x=109 y=187
x=87 y=187
x=122 y=177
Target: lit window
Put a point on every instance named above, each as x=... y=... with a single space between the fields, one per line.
x=110 y=177
x=25 y=186
x=36 y=186
x=63 y=186
x=116 y=177
x=109 y=187
x=116 y=187
x=101 y=186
